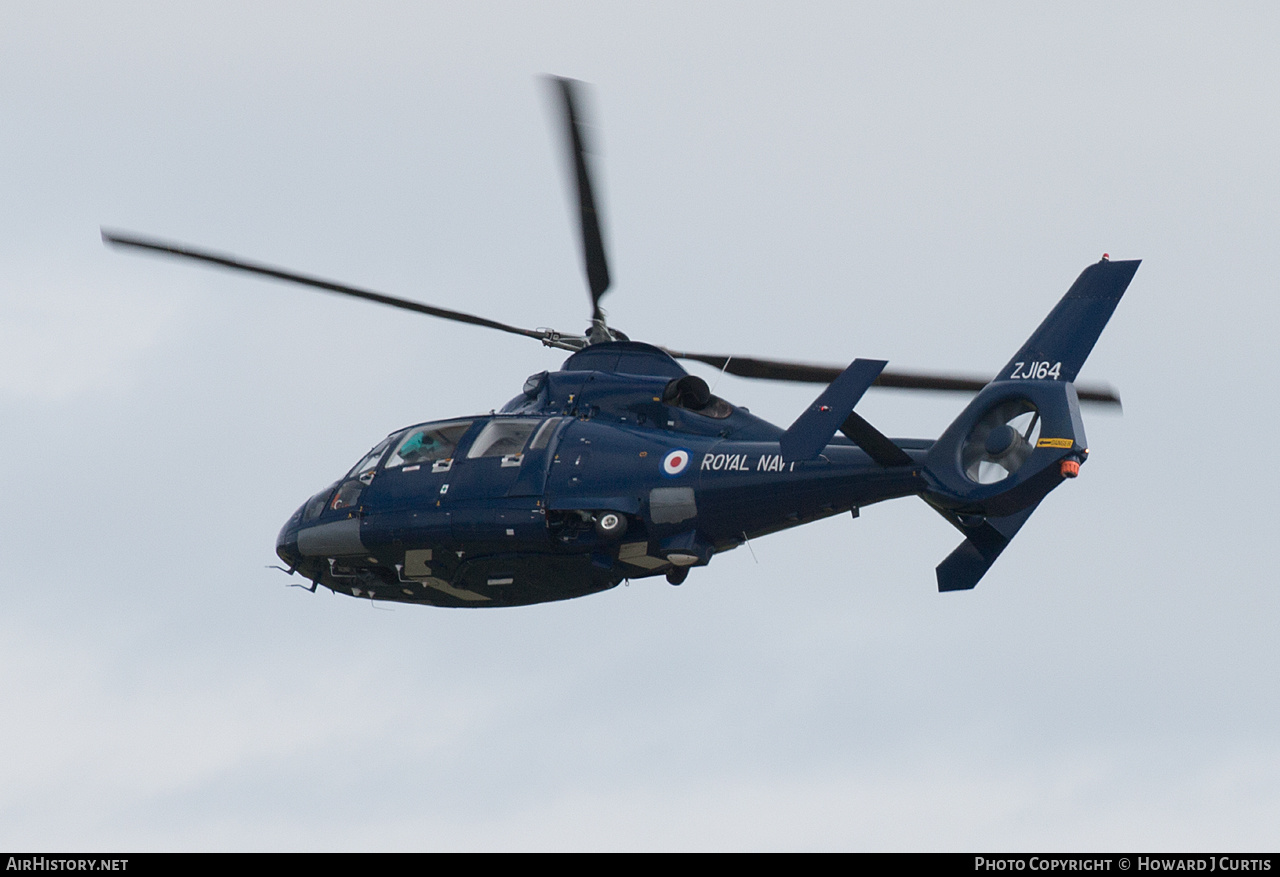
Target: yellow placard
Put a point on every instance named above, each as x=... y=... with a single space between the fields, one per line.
x=1054 y=443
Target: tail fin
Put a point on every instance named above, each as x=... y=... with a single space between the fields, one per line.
x=1066 y=337
x=1022 y=435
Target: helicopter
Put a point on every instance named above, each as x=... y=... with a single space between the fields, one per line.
x=622 y=465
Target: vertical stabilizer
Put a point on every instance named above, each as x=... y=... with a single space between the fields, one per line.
x=1066 y=337
x=1022 y=435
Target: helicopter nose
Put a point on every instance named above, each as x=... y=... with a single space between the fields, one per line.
x=287 y=541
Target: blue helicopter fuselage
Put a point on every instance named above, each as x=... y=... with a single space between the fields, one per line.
x=597 y=473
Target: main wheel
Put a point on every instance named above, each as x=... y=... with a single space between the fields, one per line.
x=610 y=525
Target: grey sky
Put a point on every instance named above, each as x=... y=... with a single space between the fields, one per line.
x=914 y=183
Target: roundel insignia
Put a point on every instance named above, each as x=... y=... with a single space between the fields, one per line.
x=675 y=462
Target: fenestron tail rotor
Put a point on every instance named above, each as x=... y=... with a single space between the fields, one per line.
x=1000 y=442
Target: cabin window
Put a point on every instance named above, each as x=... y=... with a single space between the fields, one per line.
x=428 y=443
x=503 y=437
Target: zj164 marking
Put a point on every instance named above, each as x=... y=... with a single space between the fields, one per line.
x=1036 y=371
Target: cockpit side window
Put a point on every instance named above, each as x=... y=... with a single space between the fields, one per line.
x=428 y=443
x=503 y=437
x=368 y=467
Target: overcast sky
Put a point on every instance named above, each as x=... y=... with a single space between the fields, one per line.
x=913 y=182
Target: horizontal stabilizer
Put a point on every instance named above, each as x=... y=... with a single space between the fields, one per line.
x=814 y=429
x=983 y=543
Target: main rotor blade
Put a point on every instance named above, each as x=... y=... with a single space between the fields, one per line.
x=123 y=239
x=780 y=370
x=593 y=255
